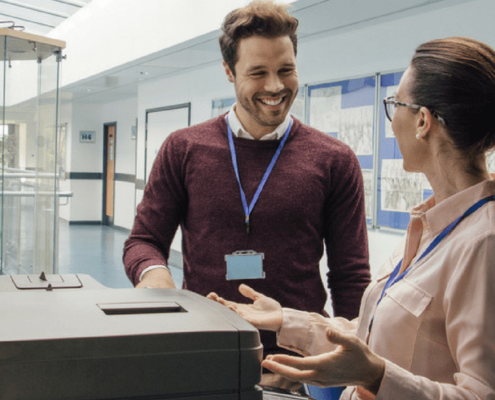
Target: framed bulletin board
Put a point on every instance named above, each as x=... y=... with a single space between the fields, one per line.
x=346 y=111
x=220 y=106
x=397 y=190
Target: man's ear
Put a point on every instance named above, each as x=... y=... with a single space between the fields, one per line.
x=230 y=74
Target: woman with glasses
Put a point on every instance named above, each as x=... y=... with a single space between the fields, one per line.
x=426 y=328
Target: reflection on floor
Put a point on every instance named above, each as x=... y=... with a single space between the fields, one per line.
x=97 y=250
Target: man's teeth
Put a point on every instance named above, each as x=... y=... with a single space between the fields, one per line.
x=272 y=102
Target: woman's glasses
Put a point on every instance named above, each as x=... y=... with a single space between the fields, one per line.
x=391 y=105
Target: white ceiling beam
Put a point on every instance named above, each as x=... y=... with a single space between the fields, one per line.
x=72 y=3
x=35 y=8
x=15 y=18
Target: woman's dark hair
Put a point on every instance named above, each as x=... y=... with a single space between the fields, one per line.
x=261 y=17
x=455 y=78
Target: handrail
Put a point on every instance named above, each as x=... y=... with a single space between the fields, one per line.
x=33 y=194
x=29 y=175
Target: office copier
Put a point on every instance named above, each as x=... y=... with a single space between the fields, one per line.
x=68 y=337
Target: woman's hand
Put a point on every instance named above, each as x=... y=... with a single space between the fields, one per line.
x=352 y=363
x=265 y=313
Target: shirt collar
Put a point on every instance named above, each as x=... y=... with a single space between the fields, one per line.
x=239 y=131
x=437 y=217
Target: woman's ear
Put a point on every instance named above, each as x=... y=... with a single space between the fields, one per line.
x=423 y=123
x=230 y=74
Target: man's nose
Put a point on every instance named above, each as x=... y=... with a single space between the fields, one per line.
x=273 y=83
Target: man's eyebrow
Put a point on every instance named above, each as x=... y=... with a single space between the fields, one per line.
x=256 y=67
x=260 y=67
x=289 y=65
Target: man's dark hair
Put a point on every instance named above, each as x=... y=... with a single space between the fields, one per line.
x=261 y=17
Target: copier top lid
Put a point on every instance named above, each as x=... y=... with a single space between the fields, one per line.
x=45 y=315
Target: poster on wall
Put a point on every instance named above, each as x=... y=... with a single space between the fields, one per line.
x=221 y=106
x=298 y=108
x=345 y=110
x=398 y=191
x=490 y=162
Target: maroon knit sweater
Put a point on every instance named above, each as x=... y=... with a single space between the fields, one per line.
x=313 y=196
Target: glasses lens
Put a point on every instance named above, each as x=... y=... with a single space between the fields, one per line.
x=390 y=110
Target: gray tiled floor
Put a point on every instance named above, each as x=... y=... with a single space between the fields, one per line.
x=97 y=251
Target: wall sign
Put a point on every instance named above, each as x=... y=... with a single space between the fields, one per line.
x=87 y=136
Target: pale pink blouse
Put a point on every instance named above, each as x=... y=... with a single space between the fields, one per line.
x=435 y=327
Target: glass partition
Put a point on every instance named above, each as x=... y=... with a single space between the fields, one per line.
x=29 y=192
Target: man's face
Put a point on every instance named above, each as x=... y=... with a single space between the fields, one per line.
x=265 y=82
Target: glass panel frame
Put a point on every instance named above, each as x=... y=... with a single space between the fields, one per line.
x=29 y=165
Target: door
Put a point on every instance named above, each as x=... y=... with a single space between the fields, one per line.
x=110 y=131
x=160 y=123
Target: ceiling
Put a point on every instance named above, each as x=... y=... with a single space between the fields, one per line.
x=316 y=18
x=37 y=16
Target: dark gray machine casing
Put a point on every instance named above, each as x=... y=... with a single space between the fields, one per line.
x=123 y=344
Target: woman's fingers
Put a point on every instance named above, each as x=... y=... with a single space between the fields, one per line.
x=339 y=338
x=249 y=292
x=215 y=297
x=300 y=363
x=290 y=371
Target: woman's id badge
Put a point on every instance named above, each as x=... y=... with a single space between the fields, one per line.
x=245 y=264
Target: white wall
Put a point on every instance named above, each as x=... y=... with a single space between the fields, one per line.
x=390 y=45
x=86 y=203
x=109 y=33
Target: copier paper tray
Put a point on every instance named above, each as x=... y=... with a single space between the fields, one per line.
x=124 y=344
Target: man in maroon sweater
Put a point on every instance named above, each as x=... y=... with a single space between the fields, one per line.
x=313 y=194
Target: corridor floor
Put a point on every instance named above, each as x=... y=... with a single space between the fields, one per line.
x=97 y=250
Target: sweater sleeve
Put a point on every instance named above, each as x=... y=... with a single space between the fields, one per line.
x=159 y=213
x=346 y=237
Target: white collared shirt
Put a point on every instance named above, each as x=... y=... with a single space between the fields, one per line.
x=239 y=131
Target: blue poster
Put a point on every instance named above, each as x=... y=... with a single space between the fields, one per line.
x=346 y=111
x=397 y=190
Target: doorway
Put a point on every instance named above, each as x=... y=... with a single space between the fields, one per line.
x=160 y=123
x=110 y=140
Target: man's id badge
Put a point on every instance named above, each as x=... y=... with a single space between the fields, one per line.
x=245 y=264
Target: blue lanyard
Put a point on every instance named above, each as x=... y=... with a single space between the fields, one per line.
x=393 y=279
x=247 y=210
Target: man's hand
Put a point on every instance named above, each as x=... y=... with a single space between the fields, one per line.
x=159 y=278
x=265 y=313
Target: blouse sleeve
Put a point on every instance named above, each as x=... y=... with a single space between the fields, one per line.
x=304 y=333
